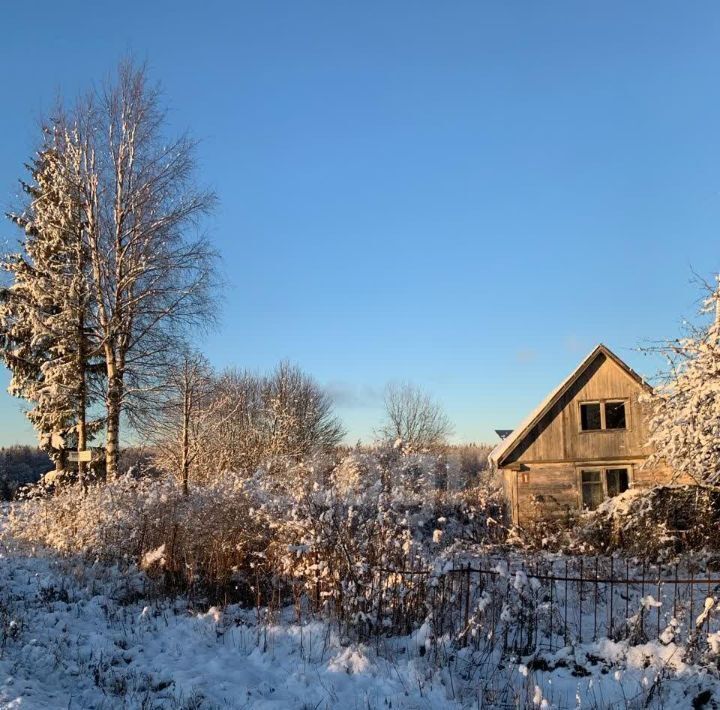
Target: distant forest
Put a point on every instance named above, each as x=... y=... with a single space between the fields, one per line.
x=20 y=465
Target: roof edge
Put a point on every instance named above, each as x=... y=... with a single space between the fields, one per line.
x=508 y=445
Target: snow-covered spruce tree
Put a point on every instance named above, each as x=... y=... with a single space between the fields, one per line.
x=152 y=275
x=685 y=423
x=44 y=338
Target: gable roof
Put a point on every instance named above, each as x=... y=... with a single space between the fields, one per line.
x=507 y=445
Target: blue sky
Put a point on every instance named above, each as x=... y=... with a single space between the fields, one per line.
x=468 y=195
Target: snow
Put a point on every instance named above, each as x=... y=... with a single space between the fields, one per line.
x=73 y=639
x=708 y=607
x=81 y=635
x=649 y=602
x=154 y=556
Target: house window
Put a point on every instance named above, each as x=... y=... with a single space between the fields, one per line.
x=590 y=416
x=606 y=414
x=592 y=489
x=614 y=415
x=599 y=484
x=617 y=481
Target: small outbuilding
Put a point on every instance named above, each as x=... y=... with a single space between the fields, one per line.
x=586 y=442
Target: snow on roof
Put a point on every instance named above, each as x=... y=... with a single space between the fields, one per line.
x=507 y=444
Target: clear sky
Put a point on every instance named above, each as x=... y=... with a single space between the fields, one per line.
x=468 y=195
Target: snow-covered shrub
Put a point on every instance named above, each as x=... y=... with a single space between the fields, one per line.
x=361 y=539
x=328 y=532
x=656 y=523
x=204 y=538
x=332 y=538
x=541 y=532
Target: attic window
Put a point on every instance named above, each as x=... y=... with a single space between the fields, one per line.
x=590 y=416
x=596 y=416
x=614 y=415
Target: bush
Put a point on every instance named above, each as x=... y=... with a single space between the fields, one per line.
x=186 y=542
x=321 y=529
x=660 y=522
x=338 y=541
x=656 y=524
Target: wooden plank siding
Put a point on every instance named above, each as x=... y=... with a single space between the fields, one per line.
x=557 y=436
x=542 y=471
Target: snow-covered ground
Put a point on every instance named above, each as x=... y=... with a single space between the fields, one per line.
x=79 y=636
x=73 y=638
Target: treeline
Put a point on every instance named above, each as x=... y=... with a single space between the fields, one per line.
x=208 y=423
x=21 y=466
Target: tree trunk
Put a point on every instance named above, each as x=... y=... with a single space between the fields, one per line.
x=185 y=462
x=111 y=440
x=112 y=435
x=82 y=400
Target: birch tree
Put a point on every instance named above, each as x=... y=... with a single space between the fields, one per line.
x=185 y=417
x=152 y=271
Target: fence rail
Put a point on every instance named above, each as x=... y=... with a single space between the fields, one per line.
x=530 y=604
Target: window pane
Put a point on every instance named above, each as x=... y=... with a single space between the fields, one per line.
x=592 y=495
x=592 y=489
x=590 y=416
x=617 y=481
x=614 y=415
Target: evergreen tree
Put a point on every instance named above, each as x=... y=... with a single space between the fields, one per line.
x=44 y=312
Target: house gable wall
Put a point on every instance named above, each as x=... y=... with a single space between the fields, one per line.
x=557 y=436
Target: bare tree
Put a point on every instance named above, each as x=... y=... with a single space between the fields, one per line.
x=299 y=414
x=238 y=411
x=414 y=418
x=256 y=421
x=152 y=276
x=182 y=417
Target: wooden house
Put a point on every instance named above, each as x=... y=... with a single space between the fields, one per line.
x=587 y=441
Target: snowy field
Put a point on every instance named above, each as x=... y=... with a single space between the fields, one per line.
x=79 y=636
x=72 y=640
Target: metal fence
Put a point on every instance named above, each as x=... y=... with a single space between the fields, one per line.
x=571 y=601
x=532 y=604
